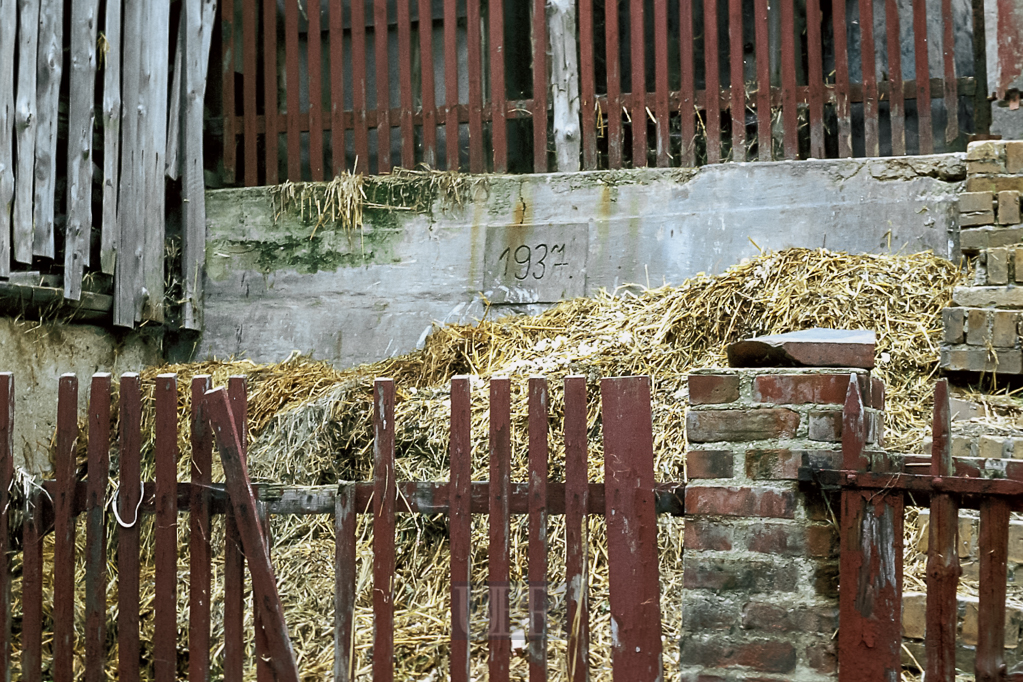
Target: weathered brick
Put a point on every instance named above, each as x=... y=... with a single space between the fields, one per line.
x=877 y=392
x=977 y=333
x=990 y=447
x=1004 y=236
x=953 y=321
x=982 y=167
x=970 y=202
x=709 y=464
x=998 y=265
x=773 y=464
x=795 y=389
x=737 y=501
x=793 y=540
x=988 y=297
x=766 y=617
x=1008 y=207
x=977 y=218
x=973 y=240
x=1017 y=257
x=982 y=150
x=704 y=534
x=965 y=359
x=994 y=183
x=707 y=611
x=706 y=426
x=914 y=615
x=708 y=389
x=822 y=657
x=1004 y=325
x=764 y=655
x=826 y=426
x=1014 y=156
x=700 y=572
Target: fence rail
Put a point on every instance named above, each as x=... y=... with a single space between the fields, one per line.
x=470 y=87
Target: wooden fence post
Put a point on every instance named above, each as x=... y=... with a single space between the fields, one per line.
x=565 y=84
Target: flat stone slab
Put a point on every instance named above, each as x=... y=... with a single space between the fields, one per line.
x=988 y=297
x=808 y=348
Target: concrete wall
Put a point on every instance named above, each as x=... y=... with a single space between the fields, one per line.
x=273 y=287
x=38 y=353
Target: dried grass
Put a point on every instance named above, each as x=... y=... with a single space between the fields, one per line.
x=311 y=425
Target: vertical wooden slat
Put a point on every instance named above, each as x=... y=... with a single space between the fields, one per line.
x=614 y=87
x=8 y=24
x=842 y=111
x=942 y=551
x=870 y=565
x=896 y=106
x=50 y=60
x=408 y=151
x=870 y=109
x=477 y=153
x=337 y=87
x=384 y=489
x=576 y=501
x=687 y=96
x=736 y=81
x=6 y=477
x=994 y=539
x=315 y=38
x=499 y=635
x=460 y=522
x=166 y=531
x=249 y=47
x=25 y=123
x=498 y=126
x=538 y=402
x=631 y=528
x=174 y=115
x=361 y=131
x=712 y=93
x=587 y=86
x=32 y=590
x=270 y=92
x=81 y=105
x=111 y=137
x=637 y=43
x=540 y=81
x=816 y=78
x=234 y=558
x=227 y=40
x=243 y=507
x=293 y=88
x=199 y=550
x=64 y=529
x=661 y=76
x=96 y=531
x=155 y=66
x=451 y=83
x=951 y=94
x=129 y=497
x=765 y=142
x=344 y=582
x=561 y=23
x=922 y=74
x=789 y=113
x=427 y=87
x=382 y=74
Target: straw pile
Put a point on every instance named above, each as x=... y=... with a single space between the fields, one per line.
x=311 y=426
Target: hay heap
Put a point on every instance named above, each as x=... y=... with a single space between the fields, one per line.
x=311 y=426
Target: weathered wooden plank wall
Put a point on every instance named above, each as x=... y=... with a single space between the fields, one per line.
x=8 y=23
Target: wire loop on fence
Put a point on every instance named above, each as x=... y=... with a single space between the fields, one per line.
x=113 y=507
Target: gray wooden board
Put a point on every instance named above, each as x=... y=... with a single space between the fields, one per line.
x=50 y=67
x=81 y=119
x=535 y=263
x=111 y=136
x=127 y=279
x=174 y=155
x=25 y=122
x=8 y=36
x=155 y=62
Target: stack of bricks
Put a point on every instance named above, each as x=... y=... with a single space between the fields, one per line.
x=760 y=599
x=982 y=330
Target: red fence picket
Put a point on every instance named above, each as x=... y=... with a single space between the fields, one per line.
x=6 y=477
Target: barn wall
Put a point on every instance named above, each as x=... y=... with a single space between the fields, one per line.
x=274 y=286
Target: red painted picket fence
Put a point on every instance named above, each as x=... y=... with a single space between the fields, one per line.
x=629 y=498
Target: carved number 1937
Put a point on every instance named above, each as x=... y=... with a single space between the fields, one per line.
x=521 y=261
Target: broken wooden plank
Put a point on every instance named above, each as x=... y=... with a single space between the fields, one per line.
x=50 y=67
x=25 y=121
x=111 y=64
x=155 y=70
x=8 y=24
x=173 y=157
x=81 y=117
x=243 y=505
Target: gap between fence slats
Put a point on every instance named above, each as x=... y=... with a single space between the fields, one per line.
x=538 y=411
x=460 y=522
x=128 y=497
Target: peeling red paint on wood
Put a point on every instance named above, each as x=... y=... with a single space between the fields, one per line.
x=994 y=540
x=498 y=557
x=345 y=555
x=165 y=635
x=459 y=521
x=538 y=404
x=576 y=491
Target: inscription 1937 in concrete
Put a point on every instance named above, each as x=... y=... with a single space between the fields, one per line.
x=535 y=263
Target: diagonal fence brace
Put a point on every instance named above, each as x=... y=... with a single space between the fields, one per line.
x=243 y=504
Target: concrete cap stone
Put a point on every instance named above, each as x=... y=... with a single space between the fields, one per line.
x=807 y=348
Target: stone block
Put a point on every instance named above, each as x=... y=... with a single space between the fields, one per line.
x=984 y=150
x=998 y=265
x=1015 y=448
x=994 y=183
x=972 y=202
x=1005 y=236
x=914 y=615
x=1004 y=326
x=982 y=167
x=988 y=297
x=709 y=464
x=706 y=426
x=740 y=501
x=977 y=333
x=990 y=447
x=977 y=218
x=953 y=322
x=807 y=348
x=1014 y=156
x=1008 y=208
x=973 y=240
x=963 y=410
x=962 y=446
x=707 y=389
